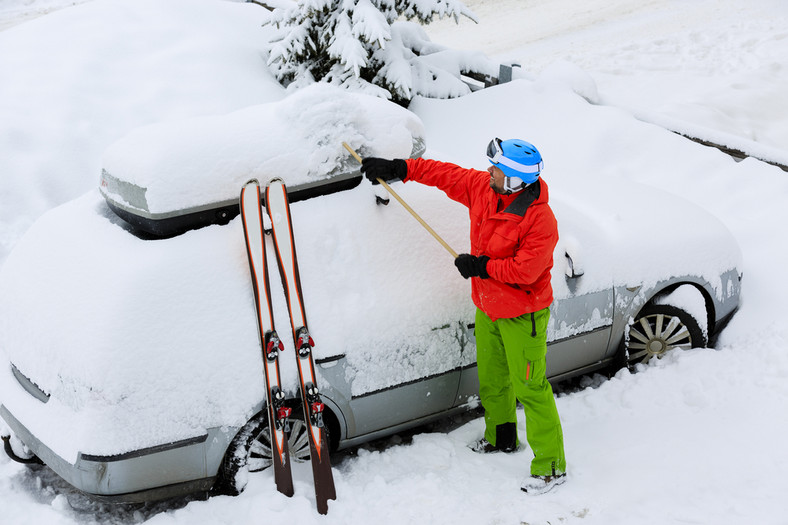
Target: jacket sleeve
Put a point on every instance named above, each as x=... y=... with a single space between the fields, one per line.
x=456 y=182
x=534 y=257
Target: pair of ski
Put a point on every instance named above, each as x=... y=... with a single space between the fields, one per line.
x=278 y=208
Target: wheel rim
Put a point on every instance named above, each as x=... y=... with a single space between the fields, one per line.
x=655 y=335
x=259 y=457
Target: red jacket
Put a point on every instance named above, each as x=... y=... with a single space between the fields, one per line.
x=517 y=232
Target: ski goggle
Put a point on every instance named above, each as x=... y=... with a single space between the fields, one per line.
x=494 y=150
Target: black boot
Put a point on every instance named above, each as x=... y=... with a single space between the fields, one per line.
x=506 y=437
x=505 y=440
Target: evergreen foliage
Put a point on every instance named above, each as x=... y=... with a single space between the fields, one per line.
x=359 y=44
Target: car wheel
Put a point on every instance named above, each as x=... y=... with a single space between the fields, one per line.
x=250 y=451
x=658 y=329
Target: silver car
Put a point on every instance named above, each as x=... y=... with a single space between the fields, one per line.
x=135 y=370
x=618 y=300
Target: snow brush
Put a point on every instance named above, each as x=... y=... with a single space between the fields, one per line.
x=405 y=205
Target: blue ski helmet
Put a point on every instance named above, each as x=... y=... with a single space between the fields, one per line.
x=517 y=159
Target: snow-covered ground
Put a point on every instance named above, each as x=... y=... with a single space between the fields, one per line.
x=696 y=438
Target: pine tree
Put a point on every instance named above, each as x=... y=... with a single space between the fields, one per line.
x=359 y=44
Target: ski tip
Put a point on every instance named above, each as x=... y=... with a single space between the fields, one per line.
x=275 y=187
x=250 y=184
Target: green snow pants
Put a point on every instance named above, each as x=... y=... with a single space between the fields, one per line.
x=511 y=358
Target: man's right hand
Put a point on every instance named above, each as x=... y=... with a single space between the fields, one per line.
x=374 y=168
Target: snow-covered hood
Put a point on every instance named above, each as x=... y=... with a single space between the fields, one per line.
x=632 y=233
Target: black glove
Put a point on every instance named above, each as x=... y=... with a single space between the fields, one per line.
x=472 y=266
x=374 y=168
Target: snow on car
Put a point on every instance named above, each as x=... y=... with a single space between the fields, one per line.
x=135 y=367
x=191 y=170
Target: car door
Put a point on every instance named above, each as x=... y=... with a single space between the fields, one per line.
x=389 y=345
x=581 y=315
x=579 y=329
x=414 y=382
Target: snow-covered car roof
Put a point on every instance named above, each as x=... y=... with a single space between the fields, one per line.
x=176 y=168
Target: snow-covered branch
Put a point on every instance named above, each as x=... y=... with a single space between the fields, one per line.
x=360 y=45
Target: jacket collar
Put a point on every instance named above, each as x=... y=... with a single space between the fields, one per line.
x=523 y=200
x=517 y=204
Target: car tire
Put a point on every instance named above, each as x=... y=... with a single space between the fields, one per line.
x=250 y=451
x=657 y=330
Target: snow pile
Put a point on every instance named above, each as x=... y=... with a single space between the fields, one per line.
x=696 y=437
x=63 y=105
x=717 y=68
x=188 y=163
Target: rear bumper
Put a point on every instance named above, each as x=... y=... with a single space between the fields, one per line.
x=159 y=472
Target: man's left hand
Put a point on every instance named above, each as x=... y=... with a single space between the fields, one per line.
x=472 y=266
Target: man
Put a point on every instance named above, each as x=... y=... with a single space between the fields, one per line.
x=513 y=234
